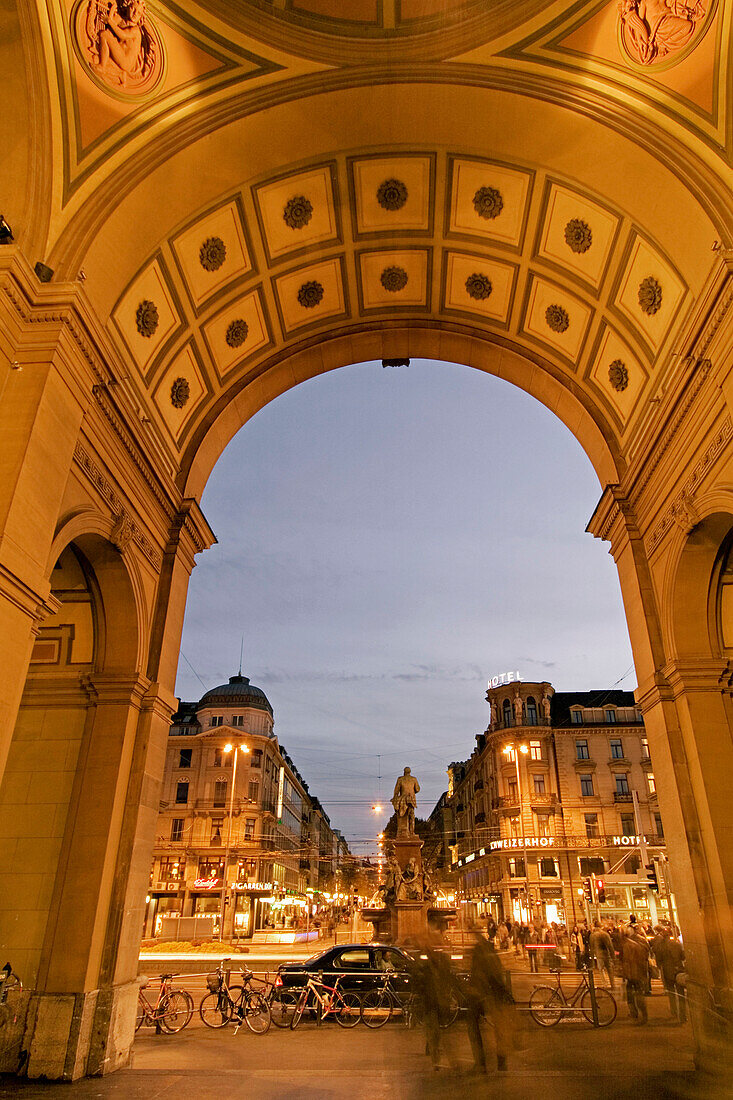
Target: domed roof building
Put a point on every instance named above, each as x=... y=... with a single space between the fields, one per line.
x=239 y=692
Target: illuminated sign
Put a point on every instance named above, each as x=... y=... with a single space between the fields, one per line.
x=206 y=883
x=628 y=841
x=504 y=678
x=528 y=842
x=254 y=887
x=280 y=790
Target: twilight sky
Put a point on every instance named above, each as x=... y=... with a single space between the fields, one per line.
x=388 y=540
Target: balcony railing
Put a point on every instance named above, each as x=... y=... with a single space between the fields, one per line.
x=622 y=796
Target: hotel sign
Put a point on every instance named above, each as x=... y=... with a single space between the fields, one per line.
x=504 y=678
x=517 y=842
x=628 y=841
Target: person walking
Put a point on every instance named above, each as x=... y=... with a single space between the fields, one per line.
x=487 y=997
x=533 y=951
x=601 y=949
x=635 y=966
x=670 y=957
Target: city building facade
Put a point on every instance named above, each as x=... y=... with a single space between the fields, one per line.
x=559 y=789
x=241 y=847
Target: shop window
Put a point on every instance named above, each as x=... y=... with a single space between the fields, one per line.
x=256 y=758
x=548 y=868
x=651 y=783
x=576 y=717
x=182 y=791
x=611 y=716
x=249 y=828
x=535 y=750
x=220 y=792
x=617 y=748
x=586 y=785
x=658 y=827
x=581 y=750
x=628 y=825
x=217 y=720
x=253 y=791
x=217 y=824
x=184 y=758
x=211 y=868
x=622 y=783
x=531 y=711
x=176 y=829
x=172 y=870
x=591 y=824
x=538 y=783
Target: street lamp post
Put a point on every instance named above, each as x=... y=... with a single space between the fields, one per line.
x=229 y=747
x=508 y=750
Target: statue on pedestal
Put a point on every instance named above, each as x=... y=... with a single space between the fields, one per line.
x=404 y=801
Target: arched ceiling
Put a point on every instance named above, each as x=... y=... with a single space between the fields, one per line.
x=605 y=178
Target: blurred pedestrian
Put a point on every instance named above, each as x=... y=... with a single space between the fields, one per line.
x=601 y=949
x=487 y=998
x=635 y=965
x=670 y=957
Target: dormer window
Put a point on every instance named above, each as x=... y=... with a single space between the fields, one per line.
x=238 y=720
x=576 y=717
x=610 y=715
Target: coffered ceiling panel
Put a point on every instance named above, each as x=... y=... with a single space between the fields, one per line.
x=616 y=373
x=395 y=278
x=479 y=286
x=488 y=200
x=213 y=252
x=556 y=318
x=237 y=332
x=649 y=292
x=180 y=391
x=392 y=194
x=148 y=314
x=311 y=294
x=576 y=234
x=298 y=211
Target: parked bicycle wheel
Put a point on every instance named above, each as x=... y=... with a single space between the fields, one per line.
x=176 y=1011
x=256 y=1013
x=282 y=1007
x=299 y=1009
x=449 y=1014
x=605 y=1003
x=215 y=1009
x=348 y=1011
x=140 y=1019
x=376 y=1007
x=545 y=1004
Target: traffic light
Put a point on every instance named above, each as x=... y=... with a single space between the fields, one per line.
x=651 y=877
x=587 y=890
x=600 y=891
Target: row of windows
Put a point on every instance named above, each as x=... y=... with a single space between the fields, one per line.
x=587 y=787
x=582 y=750
x=221 y=759
x=218 y=720
x=610 y=716
x=221 y=787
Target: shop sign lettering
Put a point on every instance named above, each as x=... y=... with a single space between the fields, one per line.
x=206 y=883
x=517 y=842
x=254 y=887
x=627 y=841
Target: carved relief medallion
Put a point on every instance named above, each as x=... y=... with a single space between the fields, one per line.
x=212 y=254
x=488 y=203
x=236 y=333
x=393 y=278
x=310 y=294
x=392 y=195
x=119 y=45
x=618 y=375
x=654 y=31
x=650 y=295
x=478 y=286
x=578 y=235
x=298 y=212
x=180 y=392
x=146 y=318
x=557 y=318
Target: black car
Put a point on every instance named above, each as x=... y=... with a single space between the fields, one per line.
x=360 y=966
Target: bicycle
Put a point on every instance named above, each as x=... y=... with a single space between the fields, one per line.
x=225 y=1003
x=282 y=1002
x=548 y=1005
x=171 y=1012
x=330 y=1001
x=379 y=1005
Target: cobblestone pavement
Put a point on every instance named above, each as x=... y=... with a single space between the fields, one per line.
x=569 y=1062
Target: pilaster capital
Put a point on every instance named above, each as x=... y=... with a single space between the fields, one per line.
x=33 y=599
x=613 y=519
x=116 y=688
x=189 y=532
x=706 y=674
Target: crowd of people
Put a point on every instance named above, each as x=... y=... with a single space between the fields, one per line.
x=634 y=951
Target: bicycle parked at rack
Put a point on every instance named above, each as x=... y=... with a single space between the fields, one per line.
x=379 y=1005
x=548 y=1005
x=225 y=1003
x=329 y=1001
x=172 y=1010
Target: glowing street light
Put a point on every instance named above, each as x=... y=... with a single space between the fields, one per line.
x=510 y=751
x=229 y=747
x=376 y=808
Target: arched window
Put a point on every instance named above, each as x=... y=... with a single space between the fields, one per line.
x=531 y=711
x=507 y=708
